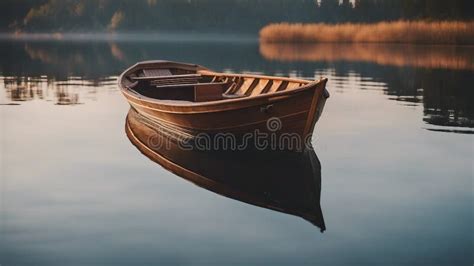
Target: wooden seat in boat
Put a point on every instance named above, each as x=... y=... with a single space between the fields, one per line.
x=157 y=72
x=167 y=77
x=201 y=92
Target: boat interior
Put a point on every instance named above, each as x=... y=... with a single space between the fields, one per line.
x=180 y=84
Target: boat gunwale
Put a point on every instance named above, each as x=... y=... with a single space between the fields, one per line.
x=167 y=103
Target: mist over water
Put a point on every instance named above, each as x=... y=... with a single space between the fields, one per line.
x=395 y=147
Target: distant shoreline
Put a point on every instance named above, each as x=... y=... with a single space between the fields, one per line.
x=407 y=32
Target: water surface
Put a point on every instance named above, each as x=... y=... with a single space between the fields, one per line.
x=395 y=146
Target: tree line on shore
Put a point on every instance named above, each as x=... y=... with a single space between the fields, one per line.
x=213 y=15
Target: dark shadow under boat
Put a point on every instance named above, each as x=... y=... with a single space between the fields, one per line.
x=287 y=182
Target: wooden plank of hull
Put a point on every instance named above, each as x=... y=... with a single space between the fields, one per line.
x=241 y=119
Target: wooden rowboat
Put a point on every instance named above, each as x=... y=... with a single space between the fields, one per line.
x=287 y=182
x=189 y=100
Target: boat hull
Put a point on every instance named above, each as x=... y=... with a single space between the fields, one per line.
x=293 y=114
x=281 y=111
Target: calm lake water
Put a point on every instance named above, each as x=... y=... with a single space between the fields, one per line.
x=395 y=145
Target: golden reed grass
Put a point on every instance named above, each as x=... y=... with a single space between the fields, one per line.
x=447 y=57
x=417 y=32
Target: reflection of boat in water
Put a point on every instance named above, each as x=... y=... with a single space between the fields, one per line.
x=282 y=181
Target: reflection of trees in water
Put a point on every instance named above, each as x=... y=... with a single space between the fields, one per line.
x=60 y=92
x=47 y=56
x=64 y=97
x=96 y=59
x=439 y=77
x=445 y=94
x=60 y=59
x=447 y=57
x=22 y=89
x=448 y=102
